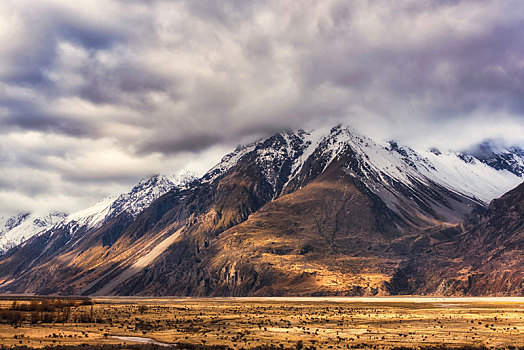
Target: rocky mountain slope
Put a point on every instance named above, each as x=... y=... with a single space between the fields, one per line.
x=486 y=259
x=329 y=212
x=17 y=229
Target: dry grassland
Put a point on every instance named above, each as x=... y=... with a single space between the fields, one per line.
x=264 y=322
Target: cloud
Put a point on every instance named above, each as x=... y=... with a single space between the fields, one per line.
x=116 y=90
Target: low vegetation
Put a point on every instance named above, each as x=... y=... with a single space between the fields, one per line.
x=46 y=310
x=307 y=324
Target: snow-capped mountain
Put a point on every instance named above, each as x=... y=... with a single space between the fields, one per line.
x=17 y=229
x=132 y=202
x=510 y=158
x=381 y=164
x=396 y=173
x=20 y=228
x=282 y=215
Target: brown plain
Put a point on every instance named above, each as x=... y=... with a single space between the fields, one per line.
x=250 y=322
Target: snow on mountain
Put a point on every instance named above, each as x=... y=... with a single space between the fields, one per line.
x=228 y=161
x=481 y=176
x=17 y=229
x=510 y=159
x=477 y=179
x=89 y=217
x=145 y=192
x=395 y=173
x=132 y=202
x=277 y=157
x=388 y=160
x=311 y=142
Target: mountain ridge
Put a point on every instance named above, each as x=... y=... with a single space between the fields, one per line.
x=17 y=229
x=293 y=212
x=132 y=202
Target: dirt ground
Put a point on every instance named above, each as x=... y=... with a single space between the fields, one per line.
x=331 y=323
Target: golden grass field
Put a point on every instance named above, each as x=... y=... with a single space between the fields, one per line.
x=332 y=323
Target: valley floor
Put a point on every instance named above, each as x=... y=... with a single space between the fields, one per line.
x=237 y=323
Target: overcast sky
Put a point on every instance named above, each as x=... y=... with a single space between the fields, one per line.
x=96 y=94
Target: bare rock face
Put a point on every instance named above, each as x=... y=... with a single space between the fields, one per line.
x=295 y=214
x=486 y=259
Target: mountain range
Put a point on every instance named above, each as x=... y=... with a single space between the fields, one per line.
x=325 y=212
x=17 y=229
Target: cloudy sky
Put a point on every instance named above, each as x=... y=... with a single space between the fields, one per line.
x=96 y=94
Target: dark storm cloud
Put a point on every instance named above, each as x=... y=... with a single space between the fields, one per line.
x=191 y=142
x=116 y=85
x=481 y=70
x=89 y=35
x=44 y=25
x=29 y=119
x=362 y=52
x=110 y=91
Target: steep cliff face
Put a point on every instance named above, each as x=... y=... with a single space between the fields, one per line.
x=299 y=213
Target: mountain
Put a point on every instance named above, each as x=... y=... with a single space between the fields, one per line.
x=486 y=259
x=328 y=212
x=131 y=203
x=17 y=229
x=510 y=159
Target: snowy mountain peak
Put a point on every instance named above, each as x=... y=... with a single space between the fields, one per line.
x=268 y=152
x=228 y=161
x=18 y=228
x=465 y=174
x=396 y=173
x=282 y=156
x=509 y=158
x=145 y=192
x=132 y=202
x=7 y=224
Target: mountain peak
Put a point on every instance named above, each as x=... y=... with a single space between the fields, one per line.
x=145 y=192
x=500 y=158
x=18 y=228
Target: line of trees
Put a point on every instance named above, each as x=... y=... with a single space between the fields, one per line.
x=46 y=311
